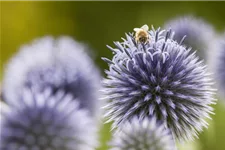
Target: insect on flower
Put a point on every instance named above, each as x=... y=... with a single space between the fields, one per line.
x=162 y=79
x=141 y=35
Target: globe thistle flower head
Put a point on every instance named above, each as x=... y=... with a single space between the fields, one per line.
x=160 y=79
x=219 y=69
x=61 y=64
x=44 y=121
x=198 y=33
x=143 y=134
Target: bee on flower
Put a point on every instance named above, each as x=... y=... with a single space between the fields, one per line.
x=142 y=35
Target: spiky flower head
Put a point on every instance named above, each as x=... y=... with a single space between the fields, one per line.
x=199 y=33
x=160 y=79
x=144 y=134
x=44 y=121
x=218 y=65
x=61 y=64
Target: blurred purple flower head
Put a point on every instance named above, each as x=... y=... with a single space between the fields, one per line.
x=44 y=121
x=219 y=65
x=199 y=34
x=160 y=79
x=143 y=134
x=61 y=64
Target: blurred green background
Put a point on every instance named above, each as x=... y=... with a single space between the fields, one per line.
x=101 y=23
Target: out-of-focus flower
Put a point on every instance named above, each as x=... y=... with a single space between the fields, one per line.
x=219 y=65
x=199 y=34
x=60 y=64
x=160 y=79
x=143 y=134
x=3 y=107
x=44 y=121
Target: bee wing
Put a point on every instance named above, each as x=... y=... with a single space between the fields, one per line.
x=145 y=27
x=137 y=29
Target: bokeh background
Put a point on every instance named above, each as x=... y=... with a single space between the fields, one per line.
x=100 y=23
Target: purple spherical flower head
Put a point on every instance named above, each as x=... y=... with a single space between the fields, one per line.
x=218 y=65
x=61 y=64
x=143 y=134
x=161 y=79
x=44 y=121
x=199 y=34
